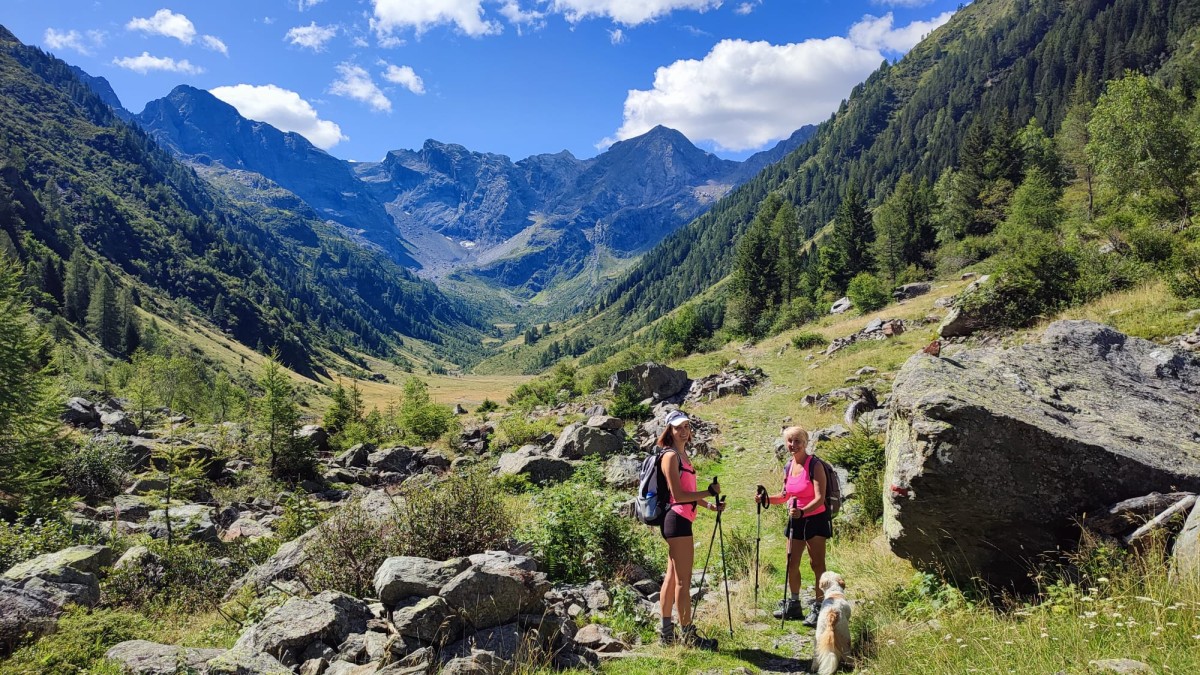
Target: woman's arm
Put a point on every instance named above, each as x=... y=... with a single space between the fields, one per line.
x=670 y=468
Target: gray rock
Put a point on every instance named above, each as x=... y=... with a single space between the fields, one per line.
x=32 y=611
x=288 y=630
x=1185 y=553
x=651 y=380
x=355 y=456
x=134 y=557
x=400 y=577
x=398 y=459
x=908 y=291
x=55 y=581
x=491 y=596
x=141 y=657
x=118 y=423
x=540 y=469
x=579 y=441
x=841 y=306
x=245 y=528
x=315 y=435
x=606 y=422
x=502 y=642
x=192 y=522
x=130 y=508
x=89 y=559
x=347 y=668
x=599 y=639
x=430 y=620
x=622 y=471
x=80 y=412
x=503 y=559
x=279 y=567
x=1122 y=666
x=478 y=663
x=238 y=661
x=144 y=486
x=994 y=455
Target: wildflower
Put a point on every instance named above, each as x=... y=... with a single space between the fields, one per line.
x=1102 y=580
x=1088 y=615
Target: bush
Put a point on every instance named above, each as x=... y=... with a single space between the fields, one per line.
x=808 y=340
x=487 y=406
x=862 y=455
x=79 y=643
x=867 y=292
x=557 y=387
x=580 y=536
x=796 y=313
x=517 y=429
x=1037 y=277
x=299 y=516
x=420 y=416
x=513 y=483
x=347 y=550
x=627 y=404
x=21 y=540
x=96 y=469
x=1184 y=278
x=179 y=577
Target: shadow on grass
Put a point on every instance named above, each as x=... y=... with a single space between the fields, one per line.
x=764 y=660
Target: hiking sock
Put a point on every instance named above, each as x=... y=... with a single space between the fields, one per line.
x=668 y=624
x=796 y=597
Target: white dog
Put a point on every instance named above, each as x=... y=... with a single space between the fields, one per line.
x=833 y=626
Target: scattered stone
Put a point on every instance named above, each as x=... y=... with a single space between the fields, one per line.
x=622 y=471
x=141 y=657
x=491 y=596
x=192 y=522
x=400 y=577
x=599 y=639
x=80 y=412
x=244 y=662
x=729 y=382
x=909 y=291
x=841 y=306
x=475 y=439
x=1122 y=666
x=118 y=423
x=606 y=422
x=288 y=630
x=578 y=441
x=876 y=329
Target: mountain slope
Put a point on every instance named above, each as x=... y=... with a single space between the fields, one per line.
x=1014 y=59
x=77 y=181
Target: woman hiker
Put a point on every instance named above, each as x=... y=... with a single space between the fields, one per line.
x=677 y=530
x=804 y=485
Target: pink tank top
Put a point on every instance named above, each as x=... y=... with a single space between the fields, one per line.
x=687 y=482
x=801 y=486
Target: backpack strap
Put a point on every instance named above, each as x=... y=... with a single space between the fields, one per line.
x=787 y=471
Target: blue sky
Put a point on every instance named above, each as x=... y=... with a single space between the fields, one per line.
x=515 y=77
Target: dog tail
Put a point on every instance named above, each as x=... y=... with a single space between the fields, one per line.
x=825 y=657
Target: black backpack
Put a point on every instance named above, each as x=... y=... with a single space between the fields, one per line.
x=833 y=485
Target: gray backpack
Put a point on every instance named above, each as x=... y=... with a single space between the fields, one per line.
x=833 y=486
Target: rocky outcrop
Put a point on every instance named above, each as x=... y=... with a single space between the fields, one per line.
x=578 y=441
x=141 y=657
x=188 y=521
x=876 y=329
x=735 y=381
x=400 y=577
x=993 y=455
x=961 y=321
x=651 y=380
x=287 y=631
x=540 y=469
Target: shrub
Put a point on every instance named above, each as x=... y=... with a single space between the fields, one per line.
x=79 y=643
x=1184 y=277
x=96 y=469
x=347 y=550
x=178 y=577
x=1038 y=276
x=420 y=416
x=518 y=429
x=796 y=313
x=487 y=406
x=580 y=536
x=808 y=340
x=627 y=404
x=513 y=483
x=299 y=516
x=550 y=389
x=22 y=540
x=867 y=292
x=460 y=516
x=862 y=455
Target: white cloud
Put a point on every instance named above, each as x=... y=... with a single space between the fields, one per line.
x=404 y=76
x=146 y=63
x=743 y=95
x=747 y=7
x=628 y=12
x=311 y=36
x=421 y=15
x=72 y=39
x=878 y=32
x=616 y=36
x=354 y=82
x=166 y=23
x=268 y=20
x=214 y=43
x=283 y=109
x=360 y=42
x=307 y=4
x=511 y=10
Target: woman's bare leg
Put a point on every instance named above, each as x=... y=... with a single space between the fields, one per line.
x=681 y=551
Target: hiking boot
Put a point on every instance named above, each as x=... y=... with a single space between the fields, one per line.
x=688 y=637
x=668 y=639
x=789 y=609
x=814 y=611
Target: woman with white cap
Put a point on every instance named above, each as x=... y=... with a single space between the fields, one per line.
x=676 y=466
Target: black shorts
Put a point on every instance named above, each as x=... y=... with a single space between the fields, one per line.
x=675 y=525
x=803 y=529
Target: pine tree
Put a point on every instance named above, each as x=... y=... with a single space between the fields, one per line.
x=77 y=291
x=338 y=415
x=29 y=427
x=103 y=317
x=131 y=327
x=848 y=249
x=277 y=417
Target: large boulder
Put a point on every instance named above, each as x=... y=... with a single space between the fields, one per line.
x=622 y=471
x=651 y=380
x=1185 y=554
x=404 y=576
x=538 y=467
x=429 y=620
x=289 y=629
x=491 y=595
x=994 y=455
x=141 y=657
x=398 y=459
x=88 y=559
x=193 y=522
x=578 y=441
x=80 y=412
x=30 y=611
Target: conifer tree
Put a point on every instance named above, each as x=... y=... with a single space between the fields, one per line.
x=76 y=294
x=29 y=428
x=277 y=418
x=848 y=249
x=131 y=329
x=103 y=317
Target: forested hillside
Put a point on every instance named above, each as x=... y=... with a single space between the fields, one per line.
x=957 y=100
x=103 y=220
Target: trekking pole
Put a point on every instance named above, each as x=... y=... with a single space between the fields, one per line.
x=787 y=541
x=724 y=569
x=707 y=557
x=761 y=494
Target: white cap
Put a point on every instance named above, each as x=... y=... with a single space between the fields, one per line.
x=676 y=418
